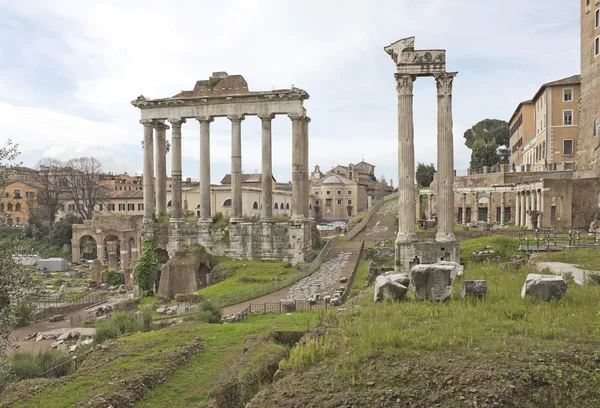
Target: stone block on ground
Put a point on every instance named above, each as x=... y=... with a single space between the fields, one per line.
x=387 y=289
x=400 y=278
x=474 y=288
x=185 y=273
x=432 y=281
x=544 y=287
x=458 y=270
x=96 y=269
x=57 y=318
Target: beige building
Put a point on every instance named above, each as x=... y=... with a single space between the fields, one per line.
x=116 y=202
x=521 y=128
x=555 y=121
x=333 y=196
x=588 y=151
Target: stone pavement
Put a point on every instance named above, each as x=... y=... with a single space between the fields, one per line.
x=323 y=280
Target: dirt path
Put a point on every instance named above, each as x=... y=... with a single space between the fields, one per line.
x=32 y=346
x=339 y=263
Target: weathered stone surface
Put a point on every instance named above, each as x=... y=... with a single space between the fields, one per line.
x=96 y=269
x=400 y=278
x=432 y=282
x=544 y=287
x=387 y=289
x=458 y=270
x=57 y=318
x=185 y=272
x=474 y=288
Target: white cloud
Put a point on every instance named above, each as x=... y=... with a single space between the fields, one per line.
x=113 y=51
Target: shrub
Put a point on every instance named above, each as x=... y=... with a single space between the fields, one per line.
x=106 y=331
x=23 y=313
x=112 y=277
x=26 y=365
x=147 y=268
x=219 y=221
x=121 y=323
x=208 y=313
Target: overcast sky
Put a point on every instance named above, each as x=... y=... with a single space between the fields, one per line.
x=69 y=69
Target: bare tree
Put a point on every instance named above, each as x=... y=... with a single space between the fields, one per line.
x=50 y=195
x=82 y=179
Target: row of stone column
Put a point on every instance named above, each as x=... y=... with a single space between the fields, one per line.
x=406 y=159
x=527 y=201
x=490 y=201
x=300 y=186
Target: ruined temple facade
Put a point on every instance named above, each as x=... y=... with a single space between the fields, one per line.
x=227 y=96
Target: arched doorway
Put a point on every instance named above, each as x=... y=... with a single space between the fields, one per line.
x=88 y=248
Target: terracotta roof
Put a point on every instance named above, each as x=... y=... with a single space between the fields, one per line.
x=127 y=194
x=572 y=80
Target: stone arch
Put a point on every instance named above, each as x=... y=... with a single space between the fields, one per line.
x=112 y=249
x=88 y=247
x=169 y=203
x=281 y=206
x=287 y=206
x=198 y=210
x=255 y=206
x=276 y=206
x=227 y=203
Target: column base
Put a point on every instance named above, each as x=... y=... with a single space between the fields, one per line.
x=406 y=238
x=236 y=220
x=176 y=220
x=205 y=221
x=442 y=237
x=269 y=220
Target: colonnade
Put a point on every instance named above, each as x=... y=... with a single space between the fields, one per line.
x=155 y=168
x=526 y=201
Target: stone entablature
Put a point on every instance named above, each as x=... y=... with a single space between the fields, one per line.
x=416 y=63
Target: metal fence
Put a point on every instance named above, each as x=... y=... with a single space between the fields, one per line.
x=289 y=306
x=47 y=307
x=258 y=291
x=548 y=240
x=66 y=368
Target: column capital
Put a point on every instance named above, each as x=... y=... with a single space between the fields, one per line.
x=176 y=121
x=307 y=119
x=147 y=122
x=205 y=119
x=404 y=83
x=160 y=125
x=444 y=83
x=295 y=116
x=266 y=116
x=236 y=118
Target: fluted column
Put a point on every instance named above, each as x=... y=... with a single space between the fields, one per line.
x=148 y=174
x=176 y=195
x=445 y=159
x=502 y=205
x=236 y=167
x=305 y=186
x=297 y=167
x=517 y=212
x=266 y=212
x=205 y=121
x=161 y=167
x=406 y=160
x=464 y=208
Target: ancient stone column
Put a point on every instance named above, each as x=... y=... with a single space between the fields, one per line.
x=539 y=207
x=236 y=167
x=445 y=159
x=502 y=205
x=266 y=212
x=430 y=199
x=297 y=167
x=205 y=121
x=464 y=209
x=148 y=178
x=517 y=215
x=522 y=215
x=527 y=222
x=490 y=209
x=161 y=167
x=176 y=194
x=305 y=186
x=406 y=160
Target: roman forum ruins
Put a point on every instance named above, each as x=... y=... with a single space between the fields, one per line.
x=410 y=65
x=228 y=96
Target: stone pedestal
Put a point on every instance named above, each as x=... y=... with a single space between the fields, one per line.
x=415 y=253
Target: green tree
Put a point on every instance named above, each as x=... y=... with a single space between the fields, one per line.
x=147 y=268
x=483 y=154
x=425 y=174
x=488 y=130
x=62 y=231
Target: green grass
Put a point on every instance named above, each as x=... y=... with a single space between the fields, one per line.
x=143 y=352
x=248 y=276
x=223 y=344
x=502 y=325
x=584 y=258
x=360 y=278
x=504 y=247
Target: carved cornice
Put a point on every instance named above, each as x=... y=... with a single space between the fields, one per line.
x=235 y=118
x=147 y=122
x=176 y=122
x=444 y=83
x=404 y=84
x=159 y=125
x=295 y=116
x=205 y=119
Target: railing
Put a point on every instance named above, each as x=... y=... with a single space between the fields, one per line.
x=66 y=368
x=546 y=240
x=252 y=293
x=289 y=306
x=47 y=307
x=361 y=225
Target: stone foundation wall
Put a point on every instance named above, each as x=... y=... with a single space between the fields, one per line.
x=411 y=254
x=268 y=241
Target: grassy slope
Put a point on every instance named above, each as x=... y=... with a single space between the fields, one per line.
x=254 y=274
x=223 y=344
x=142 y=351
